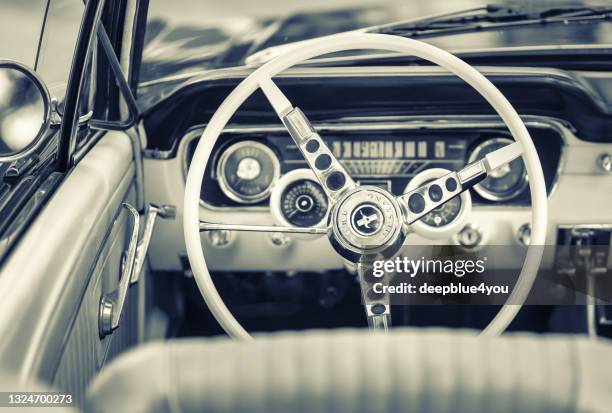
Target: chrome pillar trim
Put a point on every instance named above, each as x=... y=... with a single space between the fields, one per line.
x=56 y=117
x=135 y=140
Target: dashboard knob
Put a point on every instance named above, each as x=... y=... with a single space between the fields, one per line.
x=220 y=238
x=605 y=162
x=470 y=236
x=524 y=234
x=280 y=240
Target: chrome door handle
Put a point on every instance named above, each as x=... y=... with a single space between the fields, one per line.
x=111 y=304
x=152 y=212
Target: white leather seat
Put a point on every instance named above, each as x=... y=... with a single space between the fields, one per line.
x=410 y=370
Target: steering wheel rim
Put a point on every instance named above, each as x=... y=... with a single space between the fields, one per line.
x=317 y=47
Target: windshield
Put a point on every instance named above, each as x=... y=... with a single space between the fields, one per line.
x=190 y=36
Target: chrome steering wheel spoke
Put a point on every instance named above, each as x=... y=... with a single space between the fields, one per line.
x=330 y=173
x=421 y=201
x=377 y=306
x=212 y=226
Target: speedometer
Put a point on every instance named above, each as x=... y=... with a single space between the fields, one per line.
x=246 y=171
x=303 y=203
x=507 y=181
x=298 y=200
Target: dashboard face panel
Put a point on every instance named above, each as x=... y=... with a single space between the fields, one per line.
x=394 y=156
x=379 y=156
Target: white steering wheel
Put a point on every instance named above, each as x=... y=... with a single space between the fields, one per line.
x=388 y=215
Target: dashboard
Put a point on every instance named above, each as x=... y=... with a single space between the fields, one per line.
x=386 y=138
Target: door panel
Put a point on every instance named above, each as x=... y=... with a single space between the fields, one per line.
x=69 y=257
x=85 y=353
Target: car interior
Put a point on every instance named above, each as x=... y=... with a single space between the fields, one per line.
x=280 y=206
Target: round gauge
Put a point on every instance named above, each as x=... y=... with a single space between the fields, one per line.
x=303 y=203
x=444 y=214
x=507 y=181
x=246 y=171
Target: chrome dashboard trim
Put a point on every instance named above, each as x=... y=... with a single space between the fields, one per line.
x=562 y=128
x=597 y=226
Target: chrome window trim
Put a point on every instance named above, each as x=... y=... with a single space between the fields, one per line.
x=562 y=128
x=461 y=53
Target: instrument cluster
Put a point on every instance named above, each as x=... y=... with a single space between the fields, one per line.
x=265 y=169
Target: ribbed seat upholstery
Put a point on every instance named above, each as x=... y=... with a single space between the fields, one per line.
x=407 y=370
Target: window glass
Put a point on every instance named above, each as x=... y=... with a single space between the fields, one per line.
x=58 y=44
x=20 y=24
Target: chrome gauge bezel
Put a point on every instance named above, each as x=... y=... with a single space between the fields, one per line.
x=302 y=174
x=485 y=193
x=222 y=179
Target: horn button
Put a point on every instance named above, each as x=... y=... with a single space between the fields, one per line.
x=365 y=221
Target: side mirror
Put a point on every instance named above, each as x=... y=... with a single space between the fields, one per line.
x=25 y=111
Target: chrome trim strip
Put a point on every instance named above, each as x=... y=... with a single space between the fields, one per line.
x=213 y=226
x=461 y=53
x=585 y=226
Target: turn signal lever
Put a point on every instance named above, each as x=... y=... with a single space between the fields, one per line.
x=111 y=304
